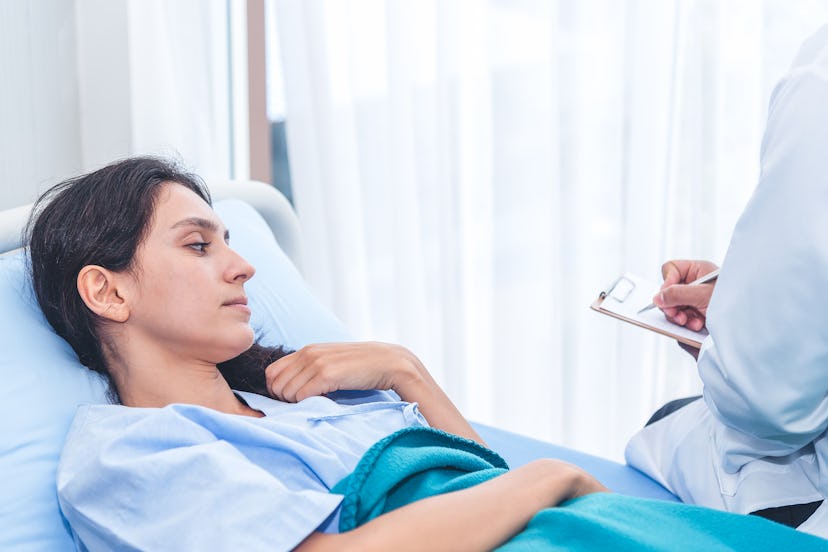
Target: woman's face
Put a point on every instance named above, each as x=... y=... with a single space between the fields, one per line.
x=188 y=285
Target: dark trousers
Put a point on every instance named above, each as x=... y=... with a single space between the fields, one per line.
x=792 y=515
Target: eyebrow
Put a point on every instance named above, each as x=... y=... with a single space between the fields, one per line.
x=201 y=223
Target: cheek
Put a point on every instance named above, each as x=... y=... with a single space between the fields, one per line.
x=172 y=290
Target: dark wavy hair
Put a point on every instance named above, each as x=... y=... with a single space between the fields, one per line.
x=101 y=218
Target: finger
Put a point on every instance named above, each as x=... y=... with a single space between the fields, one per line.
x=669 y=312
x=680 y=271
x=680 y=318
x=704 y=267
x=278 y=366
x=676 y=271
x=297 y=382
x=671 y=273
x=280 y=373
x=319 y=384
x=682 y=295
x=310 y=362
x=695 y=322
x=689 y=318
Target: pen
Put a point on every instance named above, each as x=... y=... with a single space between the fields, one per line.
x=709 y=277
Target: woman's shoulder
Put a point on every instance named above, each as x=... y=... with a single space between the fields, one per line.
x=114 y=437
x=94 y=427
x=97 y=428
x=96 y=424
x=91 y=415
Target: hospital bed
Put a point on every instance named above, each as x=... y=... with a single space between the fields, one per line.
x=42 y=381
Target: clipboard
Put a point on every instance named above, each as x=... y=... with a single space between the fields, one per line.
x=628 y=294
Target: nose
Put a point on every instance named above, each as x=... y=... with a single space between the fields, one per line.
x=238 y=269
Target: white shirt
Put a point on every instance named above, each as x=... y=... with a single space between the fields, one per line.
x=758 y=439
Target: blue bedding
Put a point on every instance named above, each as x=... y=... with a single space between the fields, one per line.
x=620 y=478
x=416 y=463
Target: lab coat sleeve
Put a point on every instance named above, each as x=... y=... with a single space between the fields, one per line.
x=765 y=364
x=134 y=494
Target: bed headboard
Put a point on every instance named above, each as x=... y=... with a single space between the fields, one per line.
x=266 y=199
x=12 y=222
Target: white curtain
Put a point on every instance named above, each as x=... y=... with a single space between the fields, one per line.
x=470 y=174
x=39 y=118
x=86 y=82
x=180 y=82
x=154 y=78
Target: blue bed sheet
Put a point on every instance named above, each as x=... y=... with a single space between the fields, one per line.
x=620 y=478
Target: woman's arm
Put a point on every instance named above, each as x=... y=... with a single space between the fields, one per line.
x=478 y=518
x=328 y=367
x=434 y=404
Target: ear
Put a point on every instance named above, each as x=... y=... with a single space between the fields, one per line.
x=99 y=289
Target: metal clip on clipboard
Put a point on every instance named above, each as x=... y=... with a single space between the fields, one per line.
x=620 y=289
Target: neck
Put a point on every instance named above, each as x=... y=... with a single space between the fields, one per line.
x=155 y=383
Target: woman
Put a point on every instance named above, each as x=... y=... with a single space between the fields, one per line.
x=133 y=268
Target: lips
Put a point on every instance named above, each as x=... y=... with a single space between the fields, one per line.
x=239 y=304
x=241 y=300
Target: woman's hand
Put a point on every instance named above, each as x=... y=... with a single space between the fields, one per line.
x=565 y=480
x=326 y=367
x=683 y=304
x=587 y=484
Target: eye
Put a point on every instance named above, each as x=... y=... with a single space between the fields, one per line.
x=201 y=247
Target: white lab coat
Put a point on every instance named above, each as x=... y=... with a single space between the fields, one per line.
x=758 y=439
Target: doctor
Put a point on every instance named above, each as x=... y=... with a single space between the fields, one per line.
x=756 y=442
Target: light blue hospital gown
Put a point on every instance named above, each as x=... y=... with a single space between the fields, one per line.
x=186 y=477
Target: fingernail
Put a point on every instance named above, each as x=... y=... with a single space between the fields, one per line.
x=659 y=300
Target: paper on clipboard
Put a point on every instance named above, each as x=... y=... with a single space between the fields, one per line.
x=629 y=294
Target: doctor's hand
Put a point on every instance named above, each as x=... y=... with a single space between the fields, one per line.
x=683 y=304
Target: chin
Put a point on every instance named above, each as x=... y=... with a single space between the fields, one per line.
x=233 y=349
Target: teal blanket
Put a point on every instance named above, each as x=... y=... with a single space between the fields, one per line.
x=416 y=463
